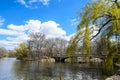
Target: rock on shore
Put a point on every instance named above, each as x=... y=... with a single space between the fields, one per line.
x=47 y=59
x=96 y=60
x=114 y=77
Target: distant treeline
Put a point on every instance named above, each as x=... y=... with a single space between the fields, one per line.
x=6 y=53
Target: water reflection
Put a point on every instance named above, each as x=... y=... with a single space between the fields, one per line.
x=12 y=69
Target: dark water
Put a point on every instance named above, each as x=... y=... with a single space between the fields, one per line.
x=12 y=69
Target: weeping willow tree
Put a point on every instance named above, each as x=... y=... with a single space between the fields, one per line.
x=105 y=14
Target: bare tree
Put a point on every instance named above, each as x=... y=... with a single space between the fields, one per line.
x=36 y=44
x=49 y=47
x=39 y=46
x=59 y=47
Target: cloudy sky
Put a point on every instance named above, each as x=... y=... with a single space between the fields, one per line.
x=54 y=18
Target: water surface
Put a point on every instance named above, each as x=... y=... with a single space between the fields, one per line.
x=12 y=69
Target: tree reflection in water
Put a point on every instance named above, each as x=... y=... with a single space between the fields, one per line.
x=34 y=70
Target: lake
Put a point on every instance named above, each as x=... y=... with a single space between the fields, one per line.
x=12 y=69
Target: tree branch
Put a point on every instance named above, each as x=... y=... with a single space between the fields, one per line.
x=116 y=2
x=100 y=29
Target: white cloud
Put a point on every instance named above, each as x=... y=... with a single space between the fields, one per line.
x=33 y=25
x=44 y=2
x=74 y=21
x=1 y=21
x=52 y=30
x=33 y=3
x=22 y=2
x=10 y=32
x=18 y=39
x=19 y=28
x=8 y=44
x=19 y=33
x=68 y=37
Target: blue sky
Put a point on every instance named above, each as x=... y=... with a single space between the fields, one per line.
x=54 y=18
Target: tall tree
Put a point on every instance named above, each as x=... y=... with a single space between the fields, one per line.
x=36 y=43
x=105 y=14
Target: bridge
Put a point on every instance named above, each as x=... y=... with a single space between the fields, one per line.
x=60 y=58
x=63 y=57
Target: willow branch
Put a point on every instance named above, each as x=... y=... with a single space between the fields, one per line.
x=100 y=29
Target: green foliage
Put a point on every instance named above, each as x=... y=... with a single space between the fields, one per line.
x=21 y=51
x=105 y=14
x=110 y=53
x=71 y=49
x=86 y=42
x=82 y=35
x=73 y=44
x=109 y=62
